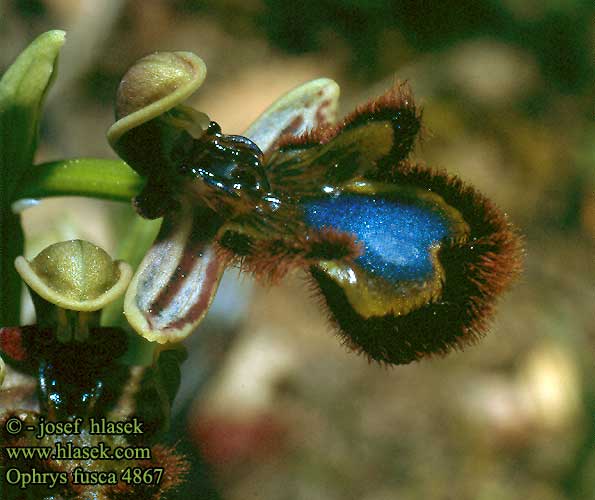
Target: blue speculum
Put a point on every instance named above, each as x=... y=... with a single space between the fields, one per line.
x=397 y=234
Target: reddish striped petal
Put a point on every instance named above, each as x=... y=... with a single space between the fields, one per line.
x=176 y=282
x=311 y=105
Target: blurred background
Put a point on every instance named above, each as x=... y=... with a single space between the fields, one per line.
x=272 y=407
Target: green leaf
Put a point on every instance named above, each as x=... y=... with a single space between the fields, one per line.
x=93 y=177
x=22 y=91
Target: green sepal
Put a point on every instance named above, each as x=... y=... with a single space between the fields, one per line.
x=22 y=91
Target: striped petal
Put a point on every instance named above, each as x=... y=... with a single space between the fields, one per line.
x=306 y=107
x=175 y=283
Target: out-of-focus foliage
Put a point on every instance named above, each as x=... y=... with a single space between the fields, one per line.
x=556 y=33
x=507 y=93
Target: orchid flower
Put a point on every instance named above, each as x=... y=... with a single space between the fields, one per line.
x=407 y=259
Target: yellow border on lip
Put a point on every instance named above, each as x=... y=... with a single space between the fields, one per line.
x=373 y=296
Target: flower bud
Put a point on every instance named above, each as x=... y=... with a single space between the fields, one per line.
x=151 y=117
x=75 y=275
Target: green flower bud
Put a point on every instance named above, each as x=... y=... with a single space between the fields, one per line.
x=75 y=275
x=159 y=82
x=150 y=114
x=70 y=280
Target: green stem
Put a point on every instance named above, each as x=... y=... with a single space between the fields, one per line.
x=12 y=241
x=134 y=244
x=92 y=177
